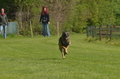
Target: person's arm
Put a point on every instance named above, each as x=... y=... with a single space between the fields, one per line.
x=40 y=18
x=48 y=19
x=6 y=19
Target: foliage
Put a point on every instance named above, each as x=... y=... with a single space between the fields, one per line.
x=72 y=15
x=117 y=12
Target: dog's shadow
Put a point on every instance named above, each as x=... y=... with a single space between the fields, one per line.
x=50 y=59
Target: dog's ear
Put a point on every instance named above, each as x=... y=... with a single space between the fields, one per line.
x=63 y=33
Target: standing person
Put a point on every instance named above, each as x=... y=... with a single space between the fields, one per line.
x=44 y=18
x=3 y=22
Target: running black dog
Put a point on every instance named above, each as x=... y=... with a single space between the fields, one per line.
x=64 y=42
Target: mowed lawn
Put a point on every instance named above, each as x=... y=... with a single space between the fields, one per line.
x=39 y=58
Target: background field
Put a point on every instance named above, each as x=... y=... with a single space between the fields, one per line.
x=39 y=58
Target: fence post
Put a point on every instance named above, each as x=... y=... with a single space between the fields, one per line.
x=100 y=35
x=58 y=29
x=110 y=32
x=90 y=30
x=31 y=29
x=87 y=29
x=93 y=31
x=107 y=32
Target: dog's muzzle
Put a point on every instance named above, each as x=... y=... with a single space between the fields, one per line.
x=66 y=38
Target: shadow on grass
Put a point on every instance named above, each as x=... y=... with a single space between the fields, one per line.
x=51 y=59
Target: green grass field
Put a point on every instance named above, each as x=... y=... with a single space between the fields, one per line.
x=39 y=58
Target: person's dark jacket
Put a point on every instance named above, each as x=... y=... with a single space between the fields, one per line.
x=3 y=19
x=44 y=18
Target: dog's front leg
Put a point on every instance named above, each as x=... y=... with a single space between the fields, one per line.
x=63 y=47
x=66 y=50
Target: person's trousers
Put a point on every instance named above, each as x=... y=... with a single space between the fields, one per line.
x=45 y=29
x=3 y=30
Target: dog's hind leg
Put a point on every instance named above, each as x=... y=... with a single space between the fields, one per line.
x=63 y=56
x=63 y=53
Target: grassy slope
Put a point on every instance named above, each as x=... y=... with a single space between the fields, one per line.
x=39 y=58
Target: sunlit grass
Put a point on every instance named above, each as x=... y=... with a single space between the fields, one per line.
x=39 y=58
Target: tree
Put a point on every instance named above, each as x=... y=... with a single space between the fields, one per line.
x=72 y=15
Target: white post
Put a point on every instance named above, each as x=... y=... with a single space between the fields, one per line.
x=58 y=29
x=31 y=29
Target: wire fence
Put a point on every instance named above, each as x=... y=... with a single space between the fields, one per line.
x=12 y=28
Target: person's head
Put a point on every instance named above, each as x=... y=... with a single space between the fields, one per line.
x=2 y=10
x=45 y=10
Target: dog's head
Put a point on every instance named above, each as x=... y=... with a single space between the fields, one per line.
x=65 y=35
